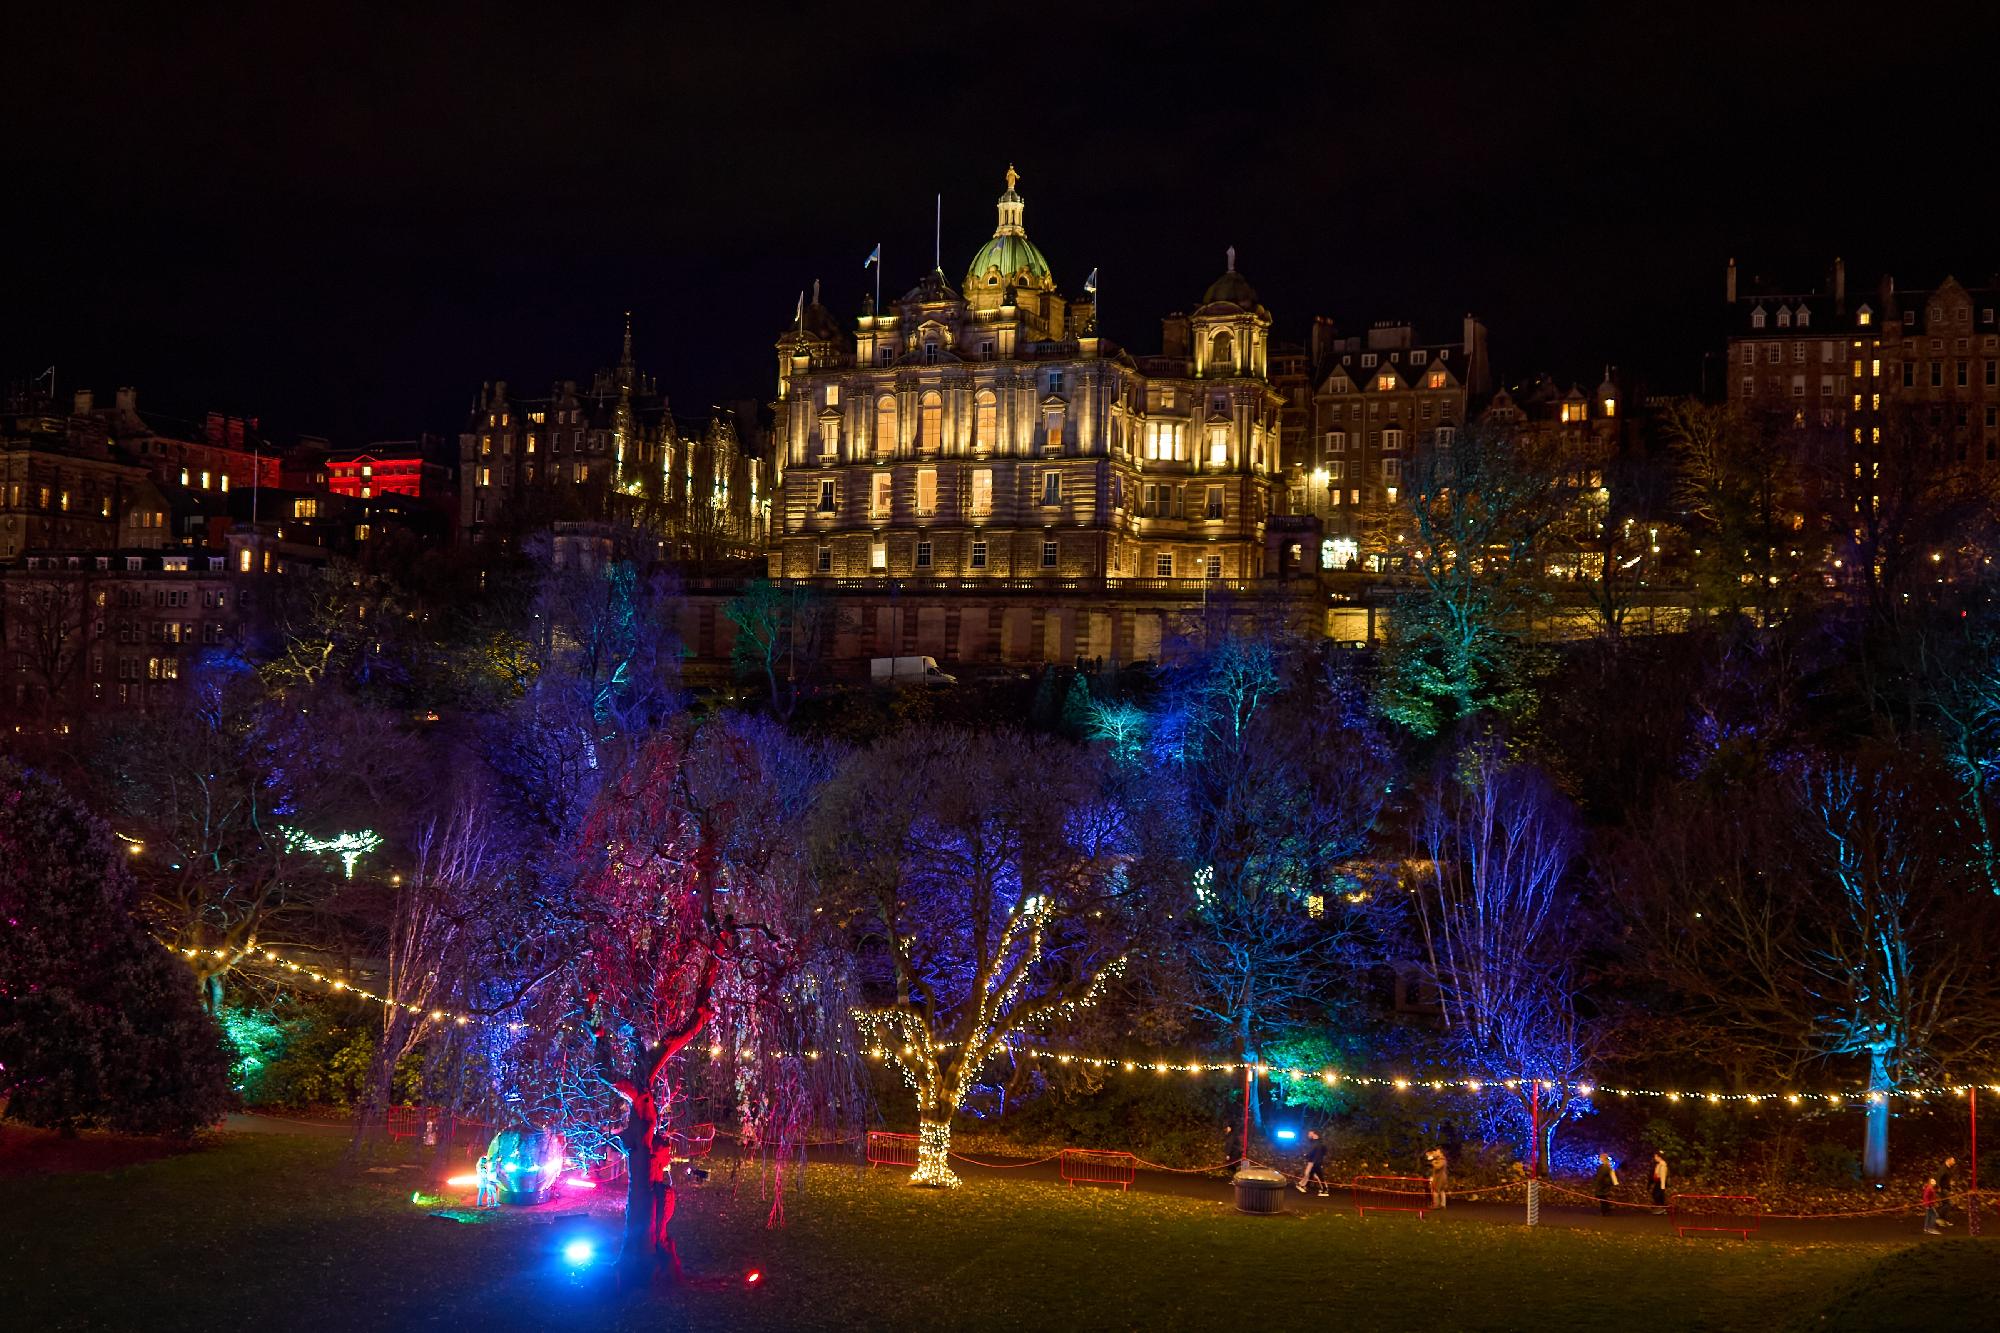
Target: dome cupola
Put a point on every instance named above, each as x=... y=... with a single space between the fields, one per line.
x=1010 y=258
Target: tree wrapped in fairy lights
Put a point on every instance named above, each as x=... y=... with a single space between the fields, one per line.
x=996 y=873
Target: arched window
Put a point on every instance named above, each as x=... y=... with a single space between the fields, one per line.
x=930 y=420
x=985 y=420
x=885 y=424
x=1222 y=351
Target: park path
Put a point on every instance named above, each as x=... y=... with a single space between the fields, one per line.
x=1888 y=1228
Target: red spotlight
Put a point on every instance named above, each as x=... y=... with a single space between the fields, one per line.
x=754 y=1276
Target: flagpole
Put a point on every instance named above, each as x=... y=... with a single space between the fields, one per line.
x=878 y=279
x=937 y=236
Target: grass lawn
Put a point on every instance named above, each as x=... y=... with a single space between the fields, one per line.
x=266 y=1232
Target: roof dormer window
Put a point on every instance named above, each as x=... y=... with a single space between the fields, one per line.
x=1804 y=319
x=1757 y=318
x=1367 y=360
x=1864 y=317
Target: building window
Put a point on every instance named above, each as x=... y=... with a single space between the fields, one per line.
x=1963 y=374
x=1052 y=488
x=361 y=532
x=833 y=395
x=1163 y=564
x=1392 y=470
x=878 y=556
x=1218 y=446
x=1385 y=381
x=881 y=499
x=826 y=495
x=1214 y=564
x=923 y=555
x=1392 y=440
x=927 y=482
x=305 y=508
x=1055 y=381
x=1048 y=555
x=979 y=555
x=985 y=420
x=1368 y=360
x=1937 y=374
x=823 y=559
x=1336 y=441
x=1222 y=351
x=885 y=424
x=1757 y=318
x=1052 y=430
x=982 y=490
x=930 y=421
x=1212 y=510
x=1865 y=317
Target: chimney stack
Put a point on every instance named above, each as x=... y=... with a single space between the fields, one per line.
x=128 y=398
x=1839 y=285
x=1731 y=285
x=85 y=401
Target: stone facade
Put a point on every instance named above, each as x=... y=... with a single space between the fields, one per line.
x=993 y=433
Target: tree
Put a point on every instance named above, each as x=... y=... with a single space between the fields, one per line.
x=780 y=633
x=1737 y=485
x=1494 y=841
x=1828 y=915
x=45 y=619
x=994 y=872
x=1274 y=782
x=1479 y=505
x=98 y=1025
x=678 y=919
x=234 y=803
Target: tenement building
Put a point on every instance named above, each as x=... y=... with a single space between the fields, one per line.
x=1917 y=360
x=1377 y=398
x=611 y=449
x=989 y=432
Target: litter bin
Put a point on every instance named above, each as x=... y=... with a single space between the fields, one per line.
x=1260 y=1190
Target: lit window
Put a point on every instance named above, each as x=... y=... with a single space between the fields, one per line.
x=982 y=490
x=878 y=555
x=985 y=419
x=1386 y=380
x=1866 y=317
x=243 y=558
x=927 y=481
x=885 y=424
x=833 y=395
x=882 y=498
x=930 y=421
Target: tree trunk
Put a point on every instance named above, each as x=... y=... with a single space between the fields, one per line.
x=934 y=1142
x=1875 y=1140
x=649 y=1196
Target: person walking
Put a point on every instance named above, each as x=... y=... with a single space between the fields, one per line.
x=1437 y=1161
x=1946 y=1178
x=1931 y=1227
x=1232 y=1148
x=1605 y=1182
x=1315 y=1165
x=1659 y=1183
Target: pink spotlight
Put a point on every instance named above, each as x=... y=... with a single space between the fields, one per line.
x=580 y=1182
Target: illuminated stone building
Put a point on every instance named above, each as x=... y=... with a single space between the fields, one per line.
x=988 y=432
x=611 y=451
x=1378 y=397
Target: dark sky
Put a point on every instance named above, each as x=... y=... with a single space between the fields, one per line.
x=344 y=222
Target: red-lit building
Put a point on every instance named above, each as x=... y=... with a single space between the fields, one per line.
x=397 y=469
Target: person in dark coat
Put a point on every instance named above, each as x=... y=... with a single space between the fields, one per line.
x=1605 y=1182
x=1944 y=1185
x=1315 y=1171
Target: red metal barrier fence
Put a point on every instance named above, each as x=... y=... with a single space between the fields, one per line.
x=697 y=1141
x=886 y=1149
x=1736 y=1214
x=1092 y=1166
x=1391 y=1194
x=408 y=1121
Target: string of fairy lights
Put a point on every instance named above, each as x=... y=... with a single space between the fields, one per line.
x=301 y=973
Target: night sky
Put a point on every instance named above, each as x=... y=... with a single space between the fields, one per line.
x=343 y=224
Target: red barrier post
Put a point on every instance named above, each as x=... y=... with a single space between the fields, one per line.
x=886 y=1149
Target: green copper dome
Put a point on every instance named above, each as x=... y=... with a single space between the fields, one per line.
x=1010 y=257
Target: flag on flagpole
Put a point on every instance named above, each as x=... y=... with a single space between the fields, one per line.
x=800 y=317
x=1090 y=283
x=874 y=256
